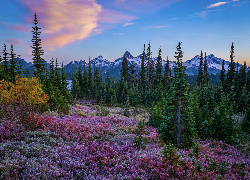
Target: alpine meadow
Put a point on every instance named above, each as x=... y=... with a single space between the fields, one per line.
x=136 y=118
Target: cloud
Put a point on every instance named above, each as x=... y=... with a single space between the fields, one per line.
x=128 y=24
x=114 y=17
x=119 y=33
x=216 y=4
x=19 y=28
x=13 y=41
x=160 y=26
x=65 y=21
x=235 y=0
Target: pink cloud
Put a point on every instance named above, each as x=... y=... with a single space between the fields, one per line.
x=65 y=21
x=19 y=28
x=13 y=41
x=114 y=17
x=216 y=4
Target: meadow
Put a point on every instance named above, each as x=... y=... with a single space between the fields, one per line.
x=90 y=144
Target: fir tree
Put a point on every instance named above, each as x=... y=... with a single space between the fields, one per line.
x=200 y=71
x=222 y=75
x=177 y=115
x=85 y=80
x=167 y=75
x=37 y=52
x=57 y=76
x=27 y=73
x=205 y=71
x=231 y=71
x=13 y=65
x=142 y=76
x=158 y=75
x=124 y=70
x=20 y=71
x=5 y=60
x=90 y=80
x=64 y=84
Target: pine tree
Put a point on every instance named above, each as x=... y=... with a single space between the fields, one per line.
x=200 y=71
x=124 y=70
x=222 y=75
x=240 y=96
x=37 y=52
x=85 y=80
x=64 y=84
x=90 y=80
x=177 y=115
x=142 y=76
x=5 y=60
x=167 y=75
x=80 y=80
x=158 y=75
x=13 y=65
x=57 y=76
x=27 y=73
x=205 y=71
x=231 y=71
x=20 y=71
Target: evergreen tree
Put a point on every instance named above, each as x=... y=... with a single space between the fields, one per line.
x=80 y=80
x=158 y=71
x=90 y=80
x=20 y=71
x=57 y=76
x=200 y=71
x=142 y=76
x=177 y=115
x=5 y=60
x=124 y=70
x=222 y=75
x=85 y=80
x=13 y=65
x=64 y=84
x=167 y=75
x=231 y=71
x=205 y=71
x=37 y=52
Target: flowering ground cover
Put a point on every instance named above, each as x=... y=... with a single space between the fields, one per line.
x=83 y=145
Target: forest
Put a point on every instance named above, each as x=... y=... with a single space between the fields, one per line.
x=150 y=125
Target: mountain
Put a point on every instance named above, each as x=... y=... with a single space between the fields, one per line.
x=214 y=65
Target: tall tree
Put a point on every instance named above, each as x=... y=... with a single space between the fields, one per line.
x=37 y=52
x=167 y=75
x=222 y=75
x=177 y=115
x=205 y=71
x=142 y=76
x=231 y=70
x=200 y=71
x=20 y=71
x=90 y=79
x=13 y=65
x=5 y=60
x=158 y=71
x=124 y=70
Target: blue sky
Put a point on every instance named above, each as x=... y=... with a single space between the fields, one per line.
x=76 y=29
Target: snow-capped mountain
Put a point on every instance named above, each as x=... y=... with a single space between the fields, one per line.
x=214 y=65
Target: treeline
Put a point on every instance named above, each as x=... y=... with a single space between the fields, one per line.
x=181 y=111
x=53 y=79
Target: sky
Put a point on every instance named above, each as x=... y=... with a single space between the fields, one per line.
x=73 y=30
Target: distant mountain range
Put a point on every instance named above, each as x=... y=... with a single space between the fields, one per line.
x=214 y=65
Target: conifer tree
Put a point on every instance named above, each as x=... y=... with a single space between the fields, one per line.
x=222 y=75
x=158 y=75
x=90 y=80
x=231 y=71
x=57 y=76
x=177 y=115
x=142 y=76
x=85 y=80
x=5 y=60
x=205 y=71
x=13 y=65
x=37 y=52
x=124 y=70
x=20 y=71
x=200 y=71
x=80 y=80
x=64 y=84
x=167 y=75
